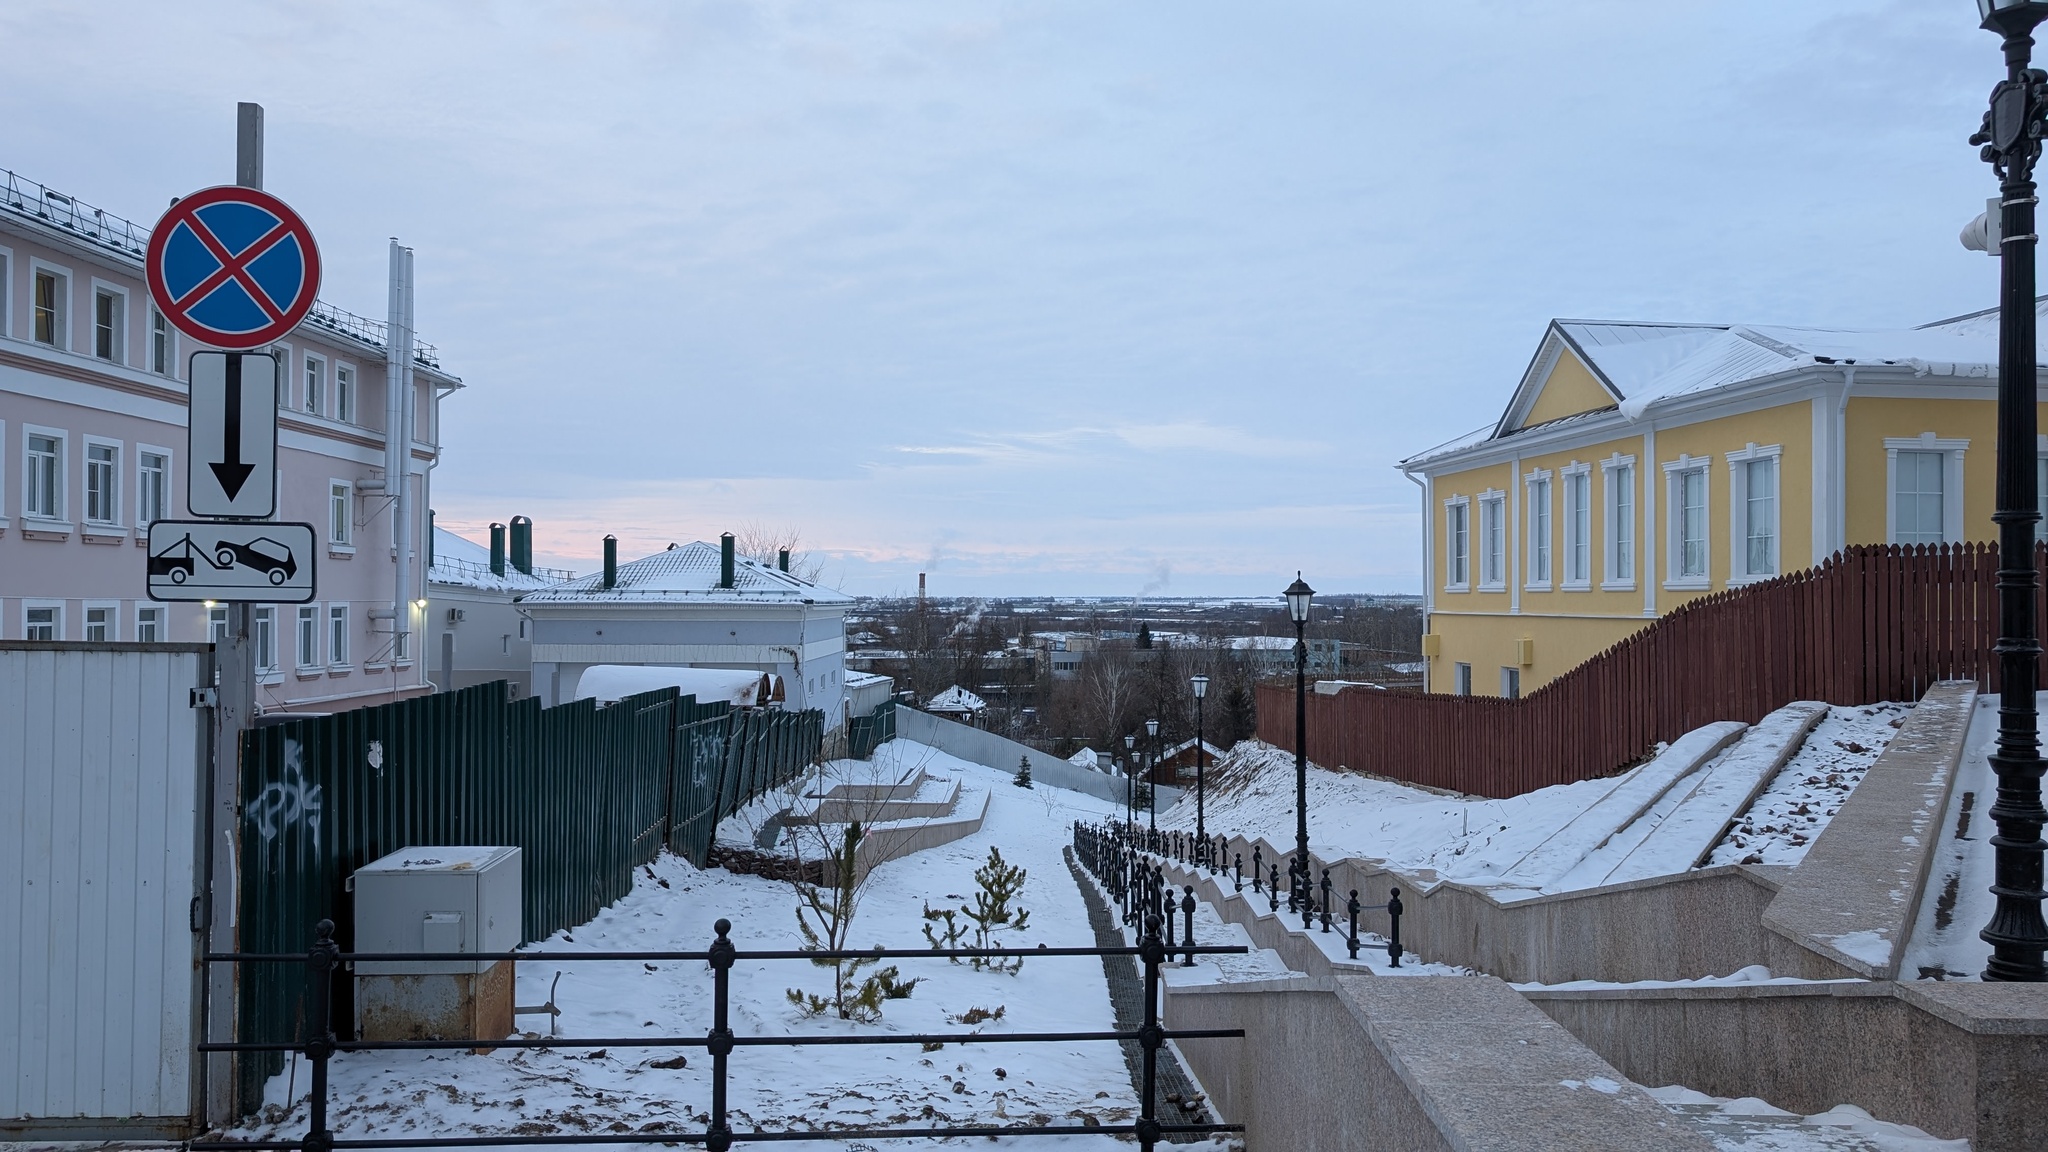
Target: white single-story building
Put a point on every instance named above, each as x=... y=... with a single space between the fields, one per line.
x=695 y=605
x=474 y=629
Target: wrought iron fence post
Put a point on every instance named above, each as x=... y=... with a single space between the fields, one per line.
x=718 y=1137
x=1307 y=882
x=1352 y=907
x=1239 y=873
x=1151 y=1036
x=320 y=962
x=1166 y=910
x=1187 y=936
x=1272 y=886
x=1326 y=899
x=1394 y=933
x=1255 y=866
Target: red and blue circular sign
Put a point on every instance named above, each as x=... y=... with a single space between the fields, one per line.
x=233 y=267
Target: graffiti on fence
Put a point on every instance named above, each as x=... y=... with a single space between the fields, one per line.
x=289 y=802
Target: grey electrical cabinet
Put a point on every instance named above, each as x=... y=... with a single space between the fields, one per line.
x=436 y=899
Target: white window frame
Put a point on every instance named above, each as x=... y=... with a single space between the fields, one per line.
x=1510 y=682
x=287 y=380
x=307 y=401
x=4 y=525
x=1461 y=678
x=335 y=369
x=170 y=472
x=113 y=621
x=1495 y=502
x=118 y=344
x=262 y=627
x=114 y=477
x=6 y=291
x=217 y=624
x=1456 y=564
x=1675 y=472
x=347 y=499
x=60 y=520
x=62 y=327
x=1577 y=478
x=1618 y=479
x=306 y=657
x=1951 y=482
x=1738 y=512
x=169 y=335
x=56 y=608
x=151 y=616
x=338 y=654
x=1537 y=527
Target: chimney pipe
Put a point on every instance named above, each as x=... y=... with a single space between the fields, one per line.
x=782 y=561
x=522 y=545
x=920 y=587
x=611 y=561
x=725 y=560
x=497 y=549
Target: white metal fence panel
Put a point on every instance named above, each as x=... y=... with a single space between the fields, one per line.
x=99 y=804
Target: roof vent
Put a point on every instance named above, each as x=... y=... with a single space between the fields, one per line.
x=611 y=561
x=522 y=545
x=725 y=560
x=497 y=549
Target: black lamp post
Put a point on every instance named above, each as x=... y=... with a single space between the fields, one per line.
x=1130 y=780
x=1152 y=786
x=1201 y=687
x=2011 y=140
x=1298 y=596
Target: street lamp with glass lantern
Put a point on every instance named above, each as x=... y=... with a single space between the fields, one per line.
x=2011 y=141
x=1152 y=786
x=1130 y=780
x=1201 y=687
x=1298 y=595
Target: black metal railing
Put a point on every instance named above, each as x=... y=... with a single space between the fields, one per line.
x=1127 y=860
x=321 y=1043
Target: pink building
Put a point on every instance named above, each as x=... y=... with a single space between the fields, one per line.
x=92 y=444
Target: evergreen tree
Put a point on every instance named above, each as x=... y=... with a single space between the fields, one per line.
x=1023 y=779
x=1144 y=635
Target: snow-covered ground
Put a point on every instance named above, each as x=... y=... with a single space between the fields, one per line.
x=672 y=907
x=1569 y=836
x=1786 y=818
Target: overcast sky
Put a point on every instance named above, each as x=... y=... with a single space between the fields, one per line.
x=1039 y=298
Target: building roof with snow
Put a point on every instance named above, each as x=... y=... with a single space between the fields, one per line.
x=689 y=574
x=1647 y=368
x=956 y=699
x=463 y=563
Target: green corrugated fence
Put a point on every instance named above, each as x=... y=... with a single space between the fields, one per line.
x=864 y=734
x=588 y=793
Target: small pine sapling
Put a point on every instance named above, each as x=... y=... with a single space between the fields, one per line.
x=1023 y=779
x=954 y=932
x=997 y=886
x=854 y=997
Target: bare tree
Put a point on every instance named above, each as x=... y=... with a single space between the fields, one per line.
x=764 y=543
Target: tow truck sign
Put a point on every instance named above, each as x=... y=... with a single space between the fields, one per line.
x=246 y=560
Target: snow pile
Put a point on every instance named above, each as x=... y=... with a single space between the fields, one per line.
x=1754 y=974
x=548 y=1091
x=1807 y=793
x=1750 y=1125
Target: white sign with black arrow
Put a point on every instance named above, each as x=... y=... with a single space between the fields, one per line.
x=261 y=560
x=231 y=456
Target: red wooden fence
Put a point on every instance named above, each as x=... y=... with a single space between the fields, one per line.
x=1875 y=622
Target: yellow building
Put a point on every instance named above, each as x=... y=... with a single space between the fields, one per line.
x=1640 y=465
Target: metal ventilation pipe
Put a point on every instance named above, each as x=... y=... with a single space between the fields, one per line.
x=497 y=549
x=522 y=545
x=611 y=561
x=725 y=560
x=782 y=560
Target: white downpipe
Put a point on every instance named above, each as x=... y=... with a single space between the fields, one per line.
x=398 y=418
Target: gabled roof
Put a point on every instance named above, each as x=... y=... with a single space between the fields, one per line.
x=955 y=699
x=688 y=574
x=1642 y=365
